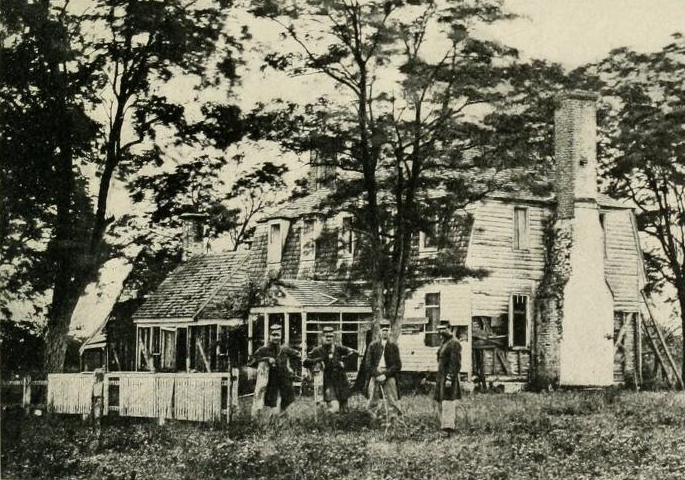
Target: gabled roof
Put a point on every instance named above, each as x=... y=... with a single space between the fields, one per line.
x=199 y=288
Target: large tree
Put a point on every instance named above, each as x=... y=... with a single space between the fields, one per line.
x=419 y=97
x=113 y=57
x=643 y=151
x=44 y=92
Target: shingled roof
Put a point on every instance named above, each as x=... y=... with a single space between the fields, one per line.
x=200 y=288
x=311 y=203
x=316 y=293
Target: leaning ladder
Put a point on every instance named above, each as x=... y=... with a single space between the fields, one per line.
x=662 y=354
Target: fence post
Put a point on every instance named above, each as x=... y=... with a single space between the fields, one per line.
x=26 y=394
x=233 y=391
x=97 y=402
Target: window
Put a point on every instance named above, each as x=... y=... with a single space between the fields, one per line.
x=432 y=301
x=603 y=224
x=518 y=321
x=520 y=228
x=428 y=239
x=347 y=238
x=274 y=247
x=308 y=240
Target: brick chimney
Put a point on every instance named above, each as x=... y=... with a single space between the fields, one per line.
x=575 y=148
x=193 y=234
x=574 y=307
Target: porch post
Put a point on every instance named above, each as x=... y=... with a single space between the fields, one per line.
x=286 y=327
x=188 y=349
x=304 y=334
x=137 y=347
x=266 y=328
x=250 y=332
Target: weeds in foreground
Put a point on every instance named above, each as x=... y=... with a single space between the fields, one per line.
x=558 y=435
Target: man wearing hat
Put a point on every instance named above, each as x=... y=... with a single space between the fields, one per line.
x=280 y=374
x=447 y=387
x=335 y=384
x=383 y=364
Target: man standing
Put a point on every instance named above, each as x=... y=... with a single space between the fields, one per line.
x=447 y=387
x=280 y=380
x=335 y=384
x=382 y=365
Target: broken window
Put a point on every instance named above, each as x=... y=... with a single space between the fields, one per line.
x=520 y=228
x=432 y=302
x=518 y=321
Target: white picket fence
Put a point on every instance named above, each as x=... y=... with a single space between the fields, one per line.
x=200 y=397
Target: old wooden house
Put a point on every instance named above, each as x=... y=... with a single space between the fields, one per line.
x=560 y=304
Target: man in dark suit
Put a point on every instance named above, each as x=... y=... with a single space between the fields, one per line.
x=335 y=384
x=447 y=387
x=280 y=374
x=383 y=364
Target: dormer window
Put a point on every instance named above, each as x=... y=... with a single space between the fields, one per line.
x=347 y=238
x=308 y=240
x=274 y=243
x=428 y=238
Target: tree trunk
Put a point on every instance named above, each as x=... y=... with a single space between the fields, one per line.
x=681 y=301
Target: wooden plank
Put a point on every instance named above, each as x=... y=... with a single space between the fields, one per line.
x=204 y=357
x=679 y=378
x=620 y=336
x=503 y=360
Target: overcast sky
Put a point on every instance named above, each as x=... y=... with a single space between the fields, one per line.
x=574 y=32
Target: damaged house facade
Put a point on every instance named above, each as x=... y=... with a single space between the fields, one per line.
x=560 y=303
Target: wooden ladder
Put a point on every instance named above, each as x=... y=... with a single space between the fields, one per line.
x=662 y=354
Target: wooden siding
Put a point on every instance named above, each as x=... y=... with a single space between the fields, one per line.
x=454 y=306
x=622 y=260
x=491 y=248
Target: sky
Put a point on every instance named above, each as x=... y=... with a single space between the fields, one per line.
x=570 y=32
x=575 y=32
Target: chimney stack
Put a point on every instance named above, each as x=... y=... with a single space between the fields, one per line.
x=574 y=306
x=575 y=146
x=193 y=234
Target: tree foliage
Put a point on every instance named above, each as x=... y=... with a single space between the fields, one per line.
x=419 y=99
x=643 y=151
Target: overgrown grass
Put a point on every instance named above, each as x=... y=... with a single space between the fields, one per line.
x=598 y=434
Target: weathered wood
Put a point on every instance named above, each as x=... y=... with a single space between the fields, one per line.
x=503 y=361
x=620 y=336
x=70 y=393
x=662 y=342
x=26 y=394
x=198 y=343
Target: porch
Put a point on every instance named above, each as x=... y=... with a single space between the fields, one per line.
x=191 y=347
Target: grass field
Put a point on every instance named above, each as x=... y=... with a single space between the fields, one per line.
x=599 y=434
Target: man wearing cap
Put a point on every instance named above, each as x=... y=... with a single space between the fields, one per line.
x=335 y=384
x=447 y=387
x=280 y=374
x=383 y=364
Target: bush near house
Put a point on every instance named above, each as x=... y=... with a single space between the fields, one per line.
x=596 y=434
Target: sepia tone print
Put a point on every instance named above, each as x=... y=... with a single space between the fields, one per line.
x=342 y=239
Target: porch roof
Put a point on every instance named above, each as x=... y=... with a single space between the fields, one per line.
x=201 y=288
x=319 y=294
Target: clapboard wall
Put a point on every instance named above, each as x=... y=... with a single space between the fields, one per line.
x=511 y=271
x=622 y=261
x=455 y=307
